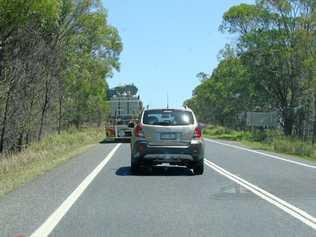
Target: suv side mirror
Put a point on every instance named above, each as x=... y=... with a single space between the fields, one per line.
x=131 y=124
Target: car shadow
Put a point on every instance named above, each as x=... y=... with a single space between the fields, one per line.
x=155 y=171
x=108 y=141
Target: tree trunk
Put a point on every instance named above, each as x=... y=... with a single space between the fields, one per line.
x=28 y=125
x=99 y=119
x=27 y=138
x=78 y=118
x=43 y=113
x=4 y=121
x=60 y=113
x=20 y=142
x=78 y=112
x=5 y=115
x=288 y=122
x=314 y=122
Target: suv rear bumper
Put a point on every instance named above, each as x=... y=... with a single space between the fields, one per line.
x=179 y=155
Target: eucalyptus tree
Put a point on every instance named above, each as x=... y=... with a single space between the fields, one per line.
x=55 y=55
x=270 y=46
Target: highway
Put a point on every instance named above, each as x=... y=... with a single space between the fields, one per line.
x=242 y=193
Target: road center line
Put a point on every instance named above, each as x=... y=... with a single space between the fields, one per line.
x=47 y=227
x=262 y=153
x=281 y=204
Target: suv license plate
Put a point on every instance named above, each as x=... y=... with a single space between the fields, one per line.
x=168 y=136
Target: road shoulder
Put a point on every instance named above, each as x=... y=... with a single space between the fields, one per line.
x=23 y=210
x=288 y=157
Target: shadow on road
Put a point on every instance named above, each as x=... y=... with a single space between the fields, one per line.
x=156 y=171
x=108 y=141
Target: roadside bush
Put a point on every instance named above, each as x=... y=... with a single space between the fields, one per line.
x=54 y=149
x=292 y=146
x=271 y=140
x=223 y=133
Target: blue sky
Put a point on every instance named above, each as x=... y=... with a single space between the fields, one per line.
x=166 y=43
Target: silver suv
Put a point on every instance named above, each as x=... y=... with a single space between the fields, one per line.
x=167 y=136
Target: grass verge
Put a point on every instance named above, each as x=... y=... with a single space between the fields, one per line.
x=265 y=140
x=19 y=168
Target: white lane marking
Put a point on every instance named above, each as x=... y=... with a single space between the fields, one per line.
x=47 y=227
x=263 y=154
x=283 y=205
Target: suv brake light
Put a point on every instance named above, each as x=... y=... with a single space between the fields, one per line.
x=197 y=133
x=139 y=131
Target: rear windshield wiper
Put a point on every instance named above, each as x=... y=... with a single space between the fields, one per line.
x=165 y=123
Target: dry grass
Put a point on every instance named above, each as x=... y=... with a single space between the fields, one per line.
x=38 y=158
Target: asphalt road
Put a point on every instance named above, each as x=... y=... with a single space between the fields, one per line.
x=242 y=193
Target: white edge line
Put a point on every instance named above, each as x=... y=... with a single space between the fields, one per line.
x=281 y=204
x=47 y=227
x=301 y=212
x=262 y=153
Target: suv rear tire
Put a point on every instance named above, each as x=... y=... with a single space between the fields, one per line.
x=134 y=168
x=134 y=165
x=198 y=168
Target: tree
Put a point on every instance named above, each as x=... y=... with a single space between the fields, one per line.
x=55 y=56
x=129 y=89
x=276 y=48
x=221 y=97
x=269 y=47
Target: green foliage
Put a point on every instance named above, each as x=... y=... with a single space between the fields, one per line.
x=223 y=95
x=272 y=67
x=223 y=133
x=92 y=54
x=264 y=140
x=242 y=18
x=17 y=13
x=293 y=147
x=55 y=56
x=129 y=89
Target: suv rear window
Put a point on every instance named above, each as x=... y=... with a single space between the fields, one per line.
x=168 y=117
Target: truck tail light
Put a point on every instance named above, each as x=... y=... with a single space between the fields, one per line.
x=110 y=131
x=197 y=133
x=139 y=131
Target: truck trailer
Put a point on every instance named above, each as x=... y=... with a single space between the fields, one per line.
x=123 y=110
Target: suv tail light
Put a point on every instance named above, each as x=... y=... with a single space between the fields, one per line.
x=139 y=131
x=197 y=133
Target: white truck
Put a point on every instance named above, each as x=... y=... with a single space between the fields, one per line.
x=123 y=110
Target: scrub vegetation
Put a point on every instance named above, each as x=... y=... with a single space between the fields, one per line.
x=269 y=140
x=19 y=168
